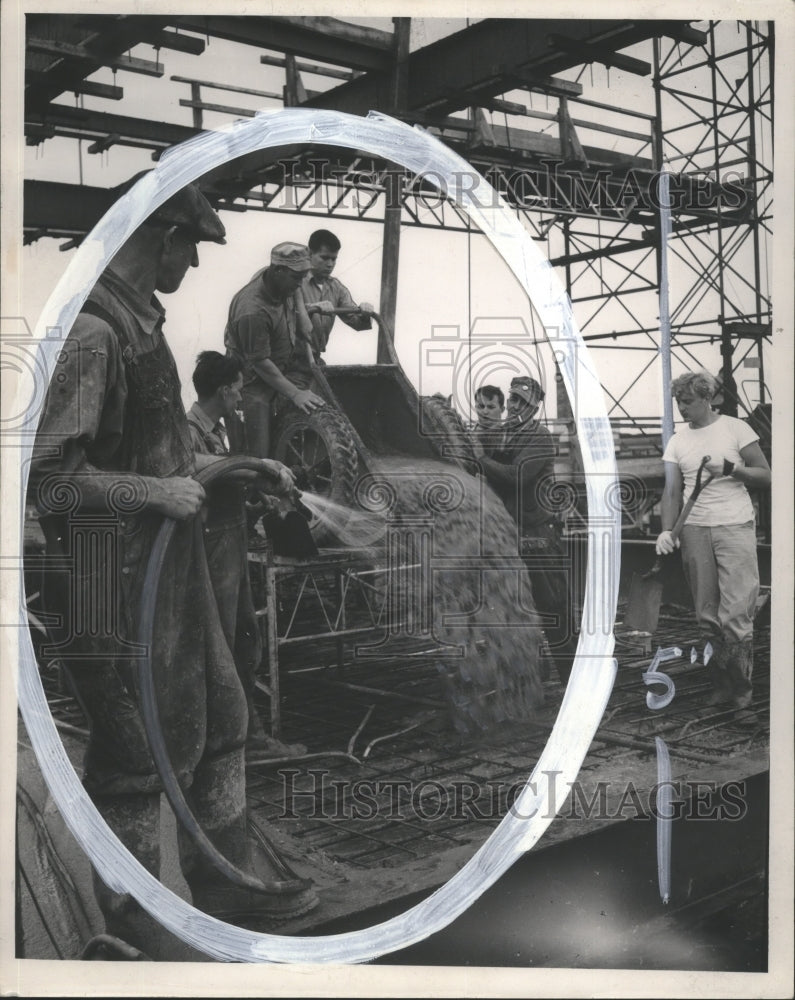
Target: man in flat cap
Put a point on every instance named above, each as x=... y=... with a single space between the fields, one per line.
x=113 y=456
x=520 y=469
x=268 y=331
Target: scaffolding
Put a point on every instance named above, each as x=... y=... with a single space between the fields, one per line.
x=575 y=157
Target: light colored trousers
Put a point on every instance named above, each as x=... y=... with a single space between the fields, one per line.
x=721 y=569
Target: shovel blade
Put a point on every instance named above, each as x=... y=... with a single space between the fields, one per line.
x=643 y=608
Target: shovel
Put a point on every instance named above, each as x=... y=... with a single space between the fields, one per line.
x=646 y=589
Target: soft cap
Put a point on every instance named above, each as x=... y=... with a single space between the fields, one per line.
x=190 y=210
x=292 y=255
x=528 y=389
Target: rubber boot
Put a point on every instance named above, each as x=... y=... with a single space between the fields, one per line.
x=260 y=746
x=135 y=819
x=716 y=671
x=218 y=800
x=739 y=657
x=721 y=685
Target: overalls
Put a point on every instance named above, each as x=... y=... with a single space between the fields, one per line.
x=201 y=702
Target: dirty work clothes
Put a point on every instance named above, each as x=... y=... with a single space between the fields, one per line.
x=721 y=569
x=331 y=290
x=488 y=436
x=114 y=406
x=226 y=544
x=725 y=500
x=261 y=328
x=520 y=469
x=553 y=587
x=225 y=498
x=252 y=435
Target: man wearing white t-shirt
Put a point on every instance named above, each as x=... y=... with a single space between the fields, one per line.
x=719 y=537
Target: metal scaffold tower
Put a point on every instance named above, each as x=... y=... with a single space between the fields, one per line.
x=727 y=134
x=531 y=105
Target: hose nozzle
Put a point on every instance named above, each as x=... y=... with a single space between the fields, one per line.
x=299 y=505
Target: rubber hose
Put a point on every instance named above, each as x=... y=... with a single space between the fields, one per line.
x=148 y=698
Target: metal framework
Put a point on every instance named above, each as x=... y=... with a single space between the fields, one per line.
x=581 y=172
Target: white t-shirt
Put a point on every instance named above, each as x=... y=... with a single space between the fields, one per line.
x=725 y=500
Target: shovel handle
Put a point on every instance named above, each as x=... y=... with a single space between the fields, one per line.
x=676 y=531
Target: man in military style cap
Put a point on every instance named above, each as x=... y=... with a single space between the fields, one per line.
x=113 y=437
x=520 y=469
x=268 y=330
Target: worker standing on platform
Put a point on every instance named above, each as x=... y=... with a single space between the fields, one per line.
x=324 y=294
x=113 y=442
x=269 y=331
x=520 y=469
x=719 y=538
x=218 y=380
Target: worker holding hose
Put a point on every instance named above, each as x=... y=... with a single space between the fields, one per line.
x=113 y=457
x=326 y=297
x=218 y=379
x=718 y=540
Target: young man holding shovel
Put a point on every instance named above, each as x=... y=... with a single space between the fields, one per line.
x=718 y=539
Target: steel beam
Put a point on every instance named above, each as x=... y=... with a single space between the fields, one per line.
x=305 y=67
x=166 y=39
x=64 y=208
x=485 y=56
x=88 y=87
x=315 y=38
x=96 y=124
x=589 y=52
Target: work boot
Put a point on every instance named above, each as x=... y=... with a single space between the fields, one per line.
x=739 y=658
x=721 y=685
x=135 y=819
x=260 y=745
x=233 y=903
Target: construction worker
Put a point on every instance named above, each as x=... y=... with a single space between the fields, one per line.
x=268 y=331
x=718 y=539
x=218 y=379
x=519 y=466
x=324 y=294
x=114 y=454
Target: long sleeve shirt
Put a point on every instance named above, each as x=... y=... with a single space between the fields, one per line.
x=332 y=290
x=521 y=471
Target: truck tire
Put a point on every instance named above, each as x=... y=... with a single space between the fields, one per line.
x=447 y=433
x=322 y=446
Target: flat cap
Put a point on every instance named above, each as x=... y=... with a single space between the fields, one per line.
x=528 y=389
x=190 y=210
x=292 y=255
